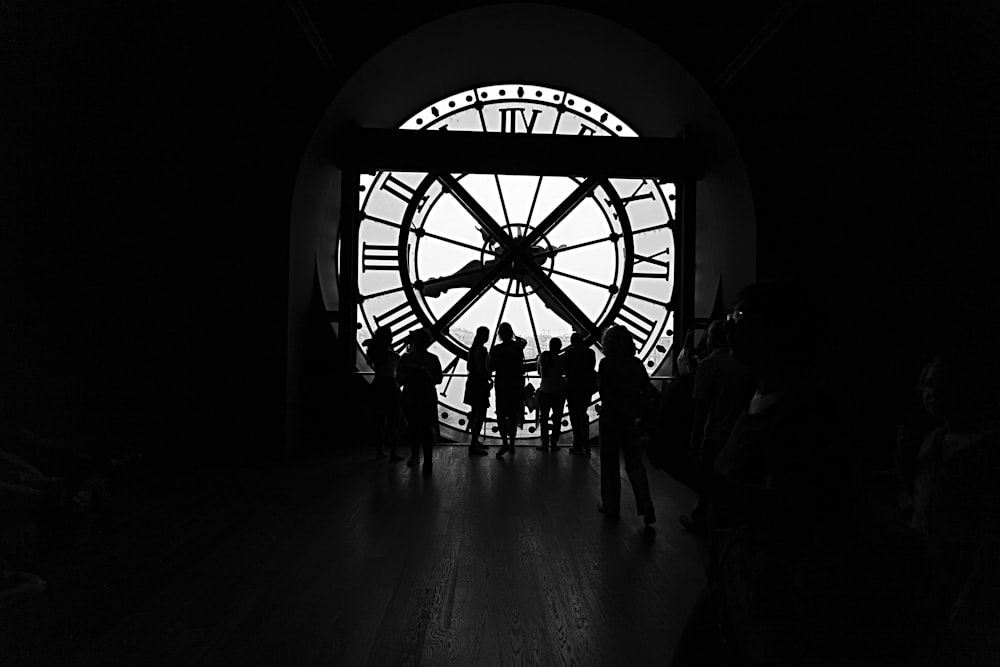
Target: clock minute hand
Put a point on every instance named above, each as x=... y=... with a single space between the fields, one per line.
x=552 y=304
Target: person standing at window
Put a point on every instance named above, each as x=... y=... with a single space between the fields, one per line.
x=580 y=364
x=722 y=390
x=551 y=395
x=506 y=361
x=386 y=400
x=625 y=391
x=419 y=372
x=477 y=389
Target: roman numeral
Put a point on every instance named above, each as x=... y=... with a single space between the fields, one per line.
x=640 y=325
x=640 y=259
x=402 y=190
x=636 y=194
x=509 y=115
x=401 y=320
x=379 y=257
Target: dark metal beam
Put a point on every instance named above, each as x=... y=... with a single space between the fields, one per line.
x=763 y=35
x=369 y=150
x=309 y=28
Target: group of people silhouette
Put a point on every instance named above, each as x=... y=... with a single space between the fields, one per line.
x=405 y=402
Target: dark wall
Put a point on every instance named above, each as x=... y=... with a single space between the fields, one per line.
x=870 y=135
x=149 y=154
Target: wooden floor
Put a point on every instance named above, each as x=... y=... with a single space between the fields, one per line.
x=342 y=560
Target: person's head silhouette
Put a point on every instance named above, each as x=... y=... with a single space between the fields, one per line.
x=717 y=335
x=482 y=335
x=381 y=337
x=954 y=387
x=617 y=341
x=418 y=340
x=505 y=331
x=555 y=344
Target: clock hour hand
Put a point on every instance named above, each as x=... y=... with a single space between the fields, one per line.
x=467 y=276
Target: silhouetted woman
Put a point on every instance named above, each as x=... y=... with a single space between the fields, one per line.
x=419 y=372
x=477 y=389
x=386 y=401
x=507 y=365
x=625 y=391
x=580 y=364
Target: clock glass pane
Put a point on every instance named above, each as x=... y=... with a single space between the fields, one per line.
x=550 y=255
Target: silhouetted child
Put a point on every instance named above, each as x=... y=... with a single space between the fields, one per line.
x=625 y=390
x=477 y=389
x=507 y=365
x=551 y=395
x=418 y=373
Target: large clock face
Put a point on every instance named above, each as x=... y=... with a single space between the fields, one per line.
x=450 y=252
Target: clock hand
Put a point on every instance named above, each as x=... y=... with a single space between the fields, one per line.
x=552 y=304
x=467 y=276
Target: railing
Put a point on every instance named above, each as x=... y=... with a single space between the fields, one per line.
x=534 y=376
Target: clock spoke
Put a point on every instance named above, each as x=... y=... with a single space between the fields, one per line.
x=503 y=308
x=578 y=278
x=365 y=297
x=557 y=300
x=474 y=208
x=461 y=244
x=531 y=320
x=448 y=371
x=534 y=200
x=653 y=228
x=562 y=210
x=503 y=202
x=583 y=244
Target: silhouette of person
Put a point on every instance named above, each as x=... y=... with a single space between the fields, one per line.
x=782 y=575
x=477 y=389
x=722 y=389
x=954 y=483
x=507 y=365
x=551 y=395
x=668 y=447
x=418 y=373
x=625 y=390
x=386 y=399
x=687 y=358
x=580 y=365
